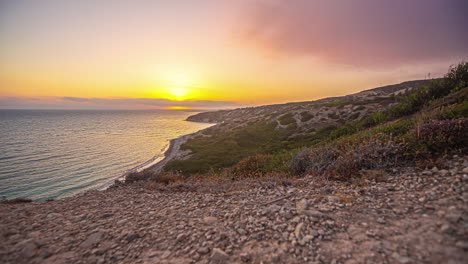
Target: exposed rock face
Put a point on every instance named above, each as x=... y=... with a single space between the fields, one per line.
x=407 y=217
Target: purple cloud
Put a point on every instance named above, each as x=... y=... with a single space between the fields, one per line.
x=364 y=33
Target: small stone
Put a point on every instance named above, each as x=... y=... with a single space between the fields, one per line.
x=165 y=254
x=313 y=213
x=92 y=240
x=210 y=220
x=444 y=172
x=302 y=205
x=106 y=215
x=435 y=169
x=203 y=250
x=446 y=228
x=45 y=254
x=462 y=244
x=28 y=249
x=422 y=199
x=465 y=170
x=271 y=209
x=53 y=215
x=401 y=259
x=219 y=256
x=245 y=257
x=334 y=199
x=122 y=222
x=380 y=220
x=131 y=237
x=298 y=229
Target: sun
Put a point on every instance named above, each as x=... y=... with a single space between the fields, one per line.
x=178 y=93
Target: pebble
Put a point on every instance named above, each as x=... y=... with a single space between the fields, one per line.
x=218 y=256
x=203 y=250
x=131 y=237
x=92 y=240
x=302 y=205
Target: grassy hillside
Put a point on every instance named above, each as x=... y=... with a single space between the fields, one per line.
x=338 y=137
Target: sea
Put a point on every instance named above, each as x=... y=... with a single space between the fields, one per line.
x=50 y=154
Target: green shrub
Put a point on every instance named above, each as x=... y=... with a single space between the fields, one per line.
x=378 y=118
x=457 y=77
x=306 y=116
x=333 y=115
x=395 y=128
x=286 y=119
x=338 y=103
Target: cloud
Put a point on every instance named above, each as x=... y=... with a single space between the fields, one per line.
x=363 y=33
x=106 y=103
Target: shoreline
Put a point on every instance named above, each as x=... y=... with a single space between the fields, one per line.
x=168 y=152
x=156 y=163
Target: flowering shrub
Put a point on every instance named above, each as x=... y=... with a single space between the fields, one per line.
x=441 y=136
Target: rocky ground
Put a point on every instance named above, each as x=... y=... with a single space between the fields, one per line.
x=406 y=216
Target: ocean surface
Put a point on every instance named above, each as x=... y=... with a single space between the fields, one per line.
x=57 y=153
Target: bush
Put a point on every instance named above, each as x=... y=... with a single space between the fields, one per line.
x=306 y=116
x=333 y=115
x=444 y=135
x=139 y=176
x=253 y=166
x=457 y=77
x=347 y=159
x=316 y=160
x=286 y=119
x=374 y=154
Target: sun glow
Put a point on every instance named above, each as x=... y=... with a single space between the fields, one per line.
x=179 y=108
x=178 y=93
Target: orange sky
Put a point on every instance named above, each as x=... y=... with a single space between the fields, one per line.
x=207 y=53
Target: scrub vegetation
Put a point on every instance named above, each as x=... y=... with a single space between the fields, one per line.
x=421 y=123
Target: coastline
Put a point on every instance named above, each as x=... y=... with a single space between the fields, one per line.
x=156 y=163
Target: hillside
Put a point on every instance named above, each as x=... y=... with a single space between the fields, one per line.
x=280 y=132
x=361 y=103
x=273 y=185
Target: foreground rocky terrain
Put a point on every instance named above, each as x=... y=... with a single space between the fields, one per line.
x=408 y=215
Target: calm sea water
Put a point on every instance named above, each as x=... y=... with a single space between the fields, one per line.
x=58 y=153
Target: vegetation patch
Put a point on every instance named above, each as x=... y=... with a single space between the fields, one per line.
x=287 y=119
x=306 y=116
x=425 y=122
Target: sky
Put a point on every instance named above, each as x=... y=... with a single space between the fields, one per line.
x=211 y=54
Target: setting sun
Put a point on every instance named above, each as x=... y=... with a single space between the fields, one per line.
x=178 y=93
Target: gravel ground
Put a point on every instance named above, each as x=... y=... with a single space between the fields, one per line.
x=405 y=216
